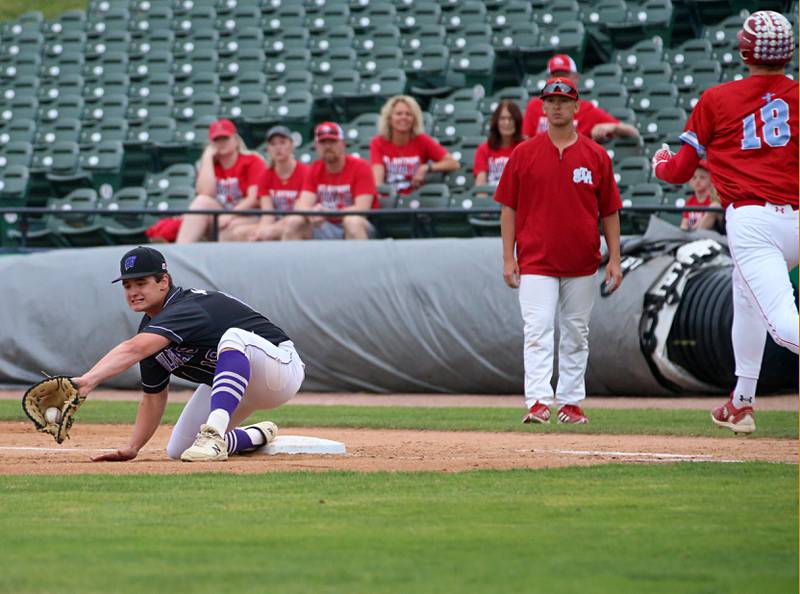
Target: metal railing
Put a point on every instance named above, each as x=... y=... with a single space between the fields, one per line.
x=26 y=212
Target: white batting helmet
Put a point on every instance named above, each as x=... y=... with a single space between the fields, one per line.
x=766 y=37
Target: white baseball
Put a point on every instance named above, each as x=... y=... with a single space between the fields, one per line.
x=52 y=415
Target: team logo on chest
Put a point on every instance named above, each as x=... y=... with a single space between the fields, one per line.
x=582 y=175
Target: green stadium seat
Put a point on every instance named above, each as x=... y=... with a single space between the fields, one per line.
x=156 y=41
x=115 y=19
x=64 y=65
x=28 y=41
x=331 y=94
x=23 y=86
x=722 y=35
x=515 y=12
x=361 y=129
x=558 y=12
x=190 y=138
x=200 y=60
x=688 y=53
x=645 y=21
x=14 y=185
x=631 y=171
x=37 y=229
x=157 y=18
x=50 y=90
x=114 y=41
x=123 y=227
x=295 y=110
x=610 y=96
x=709 y=12
x=201 y=82
x=103 y=130
x=71 y=42
x=378 y=89
x=647 y=194
x=373 y=39
x=337 y=59
x=202 y=18
x=330 y=16
x=427 y=66
x=464 y=150
x=656 y=97
x=102 y=163
x=108 y=63
x=58 y=130
x=181 y=175
x=140 y=147
x=153 y=63
x=70 y=20
x=645 y=76
x=481 y=197
x=469 y=12
x=375 y=15
x=290 y=60
x=21 y=65
x=380 y=60
x=518 y=95
x=702 y=74
x=17 y=130
x=151 y=106
x=475 y=65
x=621 y=147
x=293 y=80
x=422 y=36
x=665 y=126
x=78 y=230
x=460 y=101
x=460 y=181
x=287 y=39
x=201 y=40
x=66 y=106
x=305 y=153
x=286 y=16
x=246 y=60
x=20 y=108
x=423 y=14
x=462 y=124
x=112 y=84
x=240 y=17
x=243 y=82
x=340 y=36
x=624 y=114
x=16 y=153
x=200 y=104
x=247 y=38
x=644 y=52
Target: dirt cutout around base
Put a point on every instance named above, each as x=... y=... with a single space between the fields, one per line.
x=25 y=452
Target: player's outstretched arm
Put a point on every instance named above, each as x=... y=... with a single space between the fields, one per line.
x=120 y=358
x=148 y=418
x=675 y=168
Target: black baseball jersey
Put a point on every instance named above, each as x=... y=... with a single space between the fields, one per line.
x=195 y=320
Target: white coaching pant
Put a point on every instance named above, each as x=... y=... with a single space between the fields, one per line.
x=276 y=373
x=541 y=299
x=763 y=242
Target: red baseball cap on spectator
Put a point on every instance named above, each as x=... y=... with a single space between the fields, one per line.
x=703 y=164
x=561 y=63
x=221 y=128
x=329 y=130
x=560 y=86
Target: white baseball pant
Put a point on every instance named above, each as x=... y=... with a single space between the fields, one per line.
x=763 y=242
x=541 y=299
x=276 y=373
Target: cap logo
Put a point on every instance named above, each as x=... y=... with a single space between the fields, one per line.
x=130 y=261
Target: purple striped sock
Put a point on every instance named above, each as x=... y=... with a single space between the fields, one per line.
x=230 y=380
x=238 y=441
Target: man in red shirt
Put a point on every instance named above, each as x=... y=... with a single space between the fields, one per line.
x=747 y=131
x=554 y=188
x=590 y=121
x=335 y=182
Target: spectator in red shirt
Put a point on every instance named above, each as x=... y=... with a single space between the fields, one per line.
x=704 y=195
x=554 y=188
x=335 y=182
x=402 y=154
x=505 y=133
x=590 y=121
x=227 y=179
x=279 y=188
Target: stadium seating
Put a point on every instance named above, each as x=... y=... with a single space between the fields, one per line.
x=103 y=99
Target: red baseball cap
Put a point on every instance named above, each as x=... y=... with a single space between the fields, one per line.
x=330 y=130
x=559 y=86
x=221 y=128
x=703 y=164
x=561 y=63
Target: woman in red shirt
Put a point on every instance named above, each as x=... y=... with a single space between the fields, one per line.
x=401 y=153
x=505 y=133
x=227 y=179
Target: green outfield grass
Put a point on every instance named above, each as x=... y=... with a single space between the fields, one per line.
x=782 y=424
x=608 y=529
x=11 y=9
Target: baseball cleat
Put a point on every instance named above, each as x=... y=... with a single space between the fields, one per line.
x=267 y=428
x=572 y=414
x=208 y=446
x=738 y=420
x=539 y=413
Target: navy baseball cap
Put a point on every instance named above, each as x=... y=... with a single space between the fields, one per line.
x=141 y=262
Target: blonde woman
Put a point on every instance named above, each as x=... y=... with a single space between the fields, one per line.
x=401 y=153
x=227 y=179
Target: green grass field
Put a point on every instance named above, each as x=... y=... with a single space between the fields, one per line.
x=607 y=529
x=11 y=9
x=780 y=424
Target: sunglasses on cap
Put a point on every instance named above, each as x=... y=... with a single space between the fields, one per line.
x=559 y=88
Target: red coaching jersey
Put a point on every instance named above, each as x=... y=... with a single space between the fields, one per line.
x=402 y=162
x=338 y=190
x=747 y=131
x=232 y=183
x=283 y=192
x=491 y=161
x=588 y=117
x=558 y=200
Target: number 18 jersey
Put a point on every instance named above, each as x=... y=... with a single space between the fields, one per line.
x=747 y=130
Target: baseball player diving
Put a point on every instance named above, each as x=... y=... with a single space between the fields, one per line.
x=242 y=361
x=747 y=131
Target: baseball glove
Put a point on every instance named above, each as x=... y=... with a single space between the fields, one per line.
x=59 y=392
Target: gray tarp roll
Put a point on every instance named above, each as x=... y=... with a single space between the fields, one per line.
x=383 y=316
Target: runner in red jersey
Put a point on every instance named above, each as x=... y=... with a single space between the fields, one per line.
x=401 y=153
x=554 y=189
x=505 y=133
x=335 y=182
x=748 y=132
x=227 y=179
x=589 y=120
